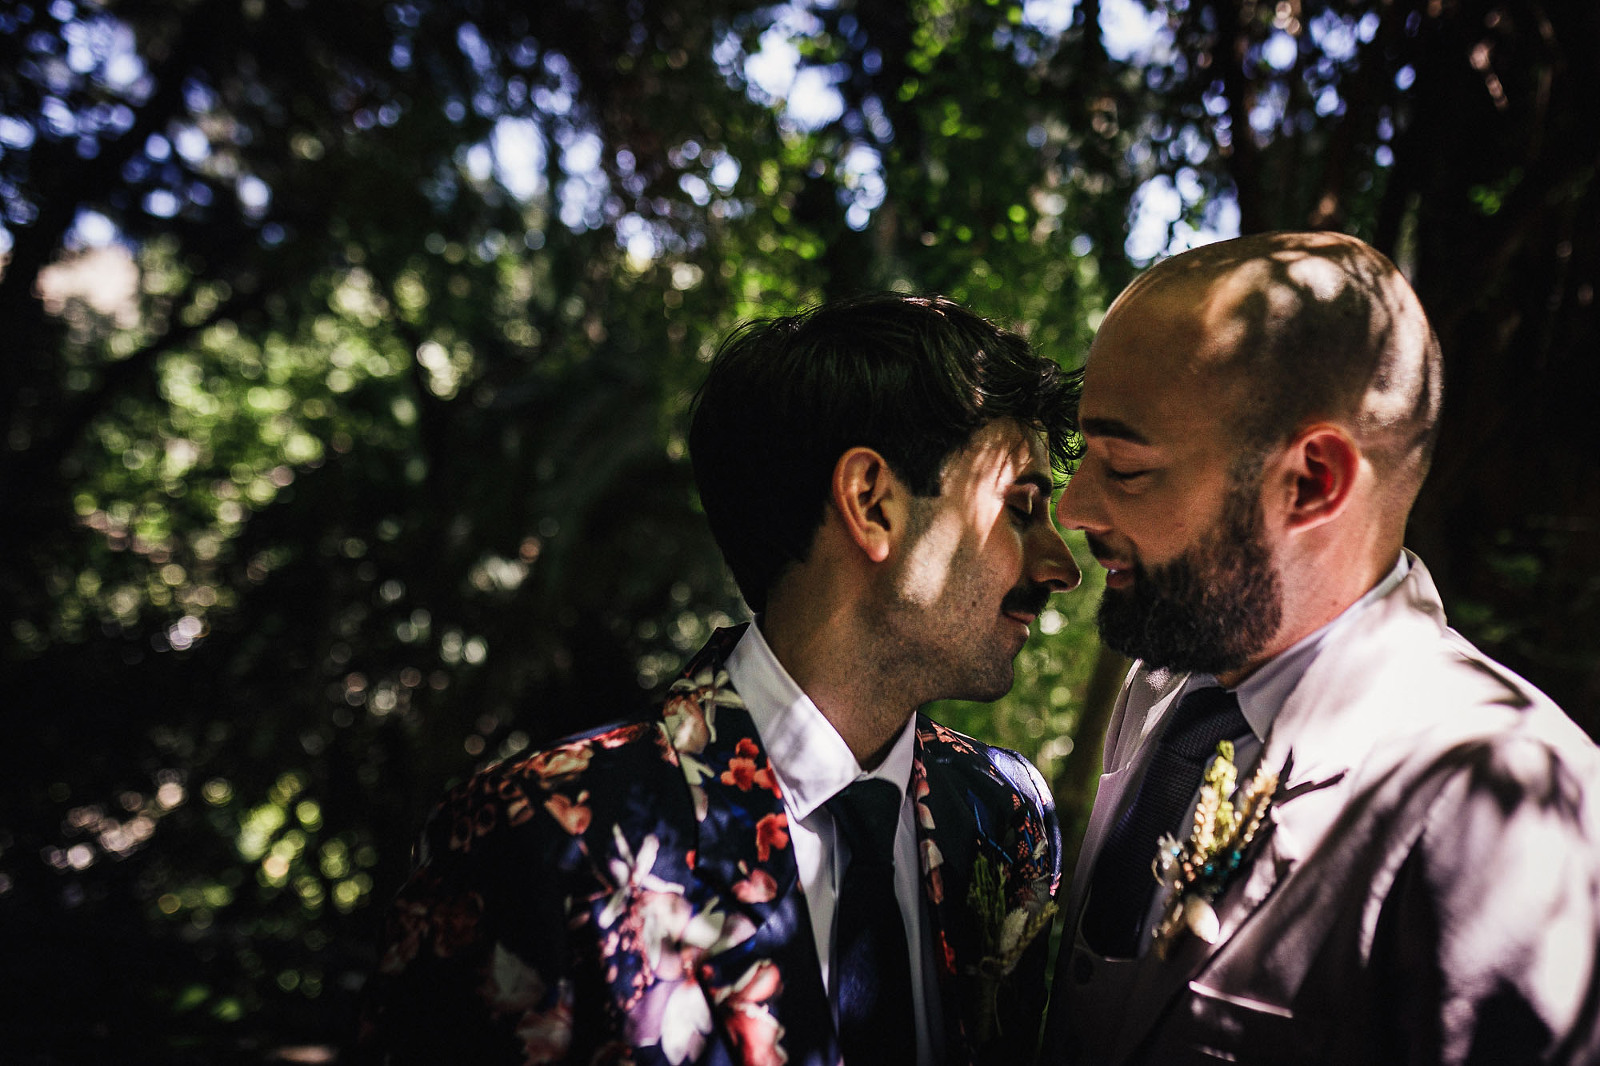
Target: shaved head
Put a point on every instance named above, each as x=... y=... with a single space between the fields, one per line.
x=1307 y=327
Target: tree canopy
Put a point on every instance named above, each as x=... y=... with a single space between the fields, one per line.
x=347 y=348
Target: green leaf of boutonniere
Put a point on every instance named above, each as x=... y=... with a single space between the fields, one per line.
x=1195 y=872
x=1006 y=935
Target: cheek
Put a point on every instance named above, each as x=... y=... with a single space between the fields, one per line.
x=1176 y=535
x=929 y=566
x=1009 y=563
x=1160 y=530
x=980 y=565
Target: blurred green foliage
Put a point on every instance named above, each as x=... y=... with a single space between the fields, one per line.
x=347 y=348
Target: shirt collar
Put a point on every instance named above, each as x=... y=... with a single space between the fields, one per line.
x=811 y=759
x=1263 y=693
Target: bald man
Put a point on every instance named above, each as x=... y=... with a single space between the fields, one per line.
x=1330 y=830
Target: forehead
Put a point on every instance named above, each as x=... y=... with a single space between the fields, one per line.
x=1154 y=371
x=1003 y=452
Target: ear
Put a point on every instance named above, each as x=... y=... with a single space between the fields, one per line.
x=870 y=501
x=1323 y=462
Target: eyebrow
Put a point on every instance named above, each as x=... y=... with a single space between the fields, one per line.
x=1112 y=427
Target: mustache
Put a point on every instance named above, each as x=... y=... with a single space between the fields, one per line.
x=1026 y=599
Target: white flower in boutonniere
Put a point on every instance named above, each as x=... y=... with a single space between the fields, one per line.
x=1006 y=933
x=1196 y=871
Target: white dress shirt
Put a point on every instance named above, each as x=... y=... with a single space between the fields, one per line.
x=812 y=764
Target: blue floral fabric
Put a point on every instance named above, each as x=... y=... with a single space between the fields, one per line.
x=631 y=895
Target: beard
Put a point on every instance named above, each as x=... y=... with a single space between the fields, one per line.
x=1209 y=610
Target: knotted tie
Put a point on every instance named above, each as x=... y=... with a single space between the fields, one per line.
x=1122 y=885
x=872 y=963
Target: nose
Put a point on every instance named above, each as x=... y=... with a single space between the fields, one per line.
x=1079 y=505
x=1051 y=563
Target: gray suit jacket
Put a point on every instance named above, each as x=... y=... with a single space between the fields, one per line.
x=1428 y=890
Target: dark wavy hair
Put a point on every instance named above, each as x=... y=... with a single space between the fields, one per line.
x=911 y=377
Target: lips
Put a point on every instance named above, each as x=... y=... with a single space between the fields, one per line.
x=1023 y=607
x=1025 y=602
x=1119 y=572
x=1023 y=631
x=1022 y=610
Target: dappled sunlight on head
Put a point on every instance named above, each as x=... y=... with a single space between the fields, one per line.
x=1308 y=326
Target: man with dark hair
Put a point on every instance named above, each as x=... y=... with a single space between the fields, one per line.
x=1330 y=830
x=786 y=862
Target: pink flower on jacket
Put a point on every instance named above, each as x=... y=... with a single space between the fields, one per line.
x=674 y=938
x=747 y=1015
x=947 y=954
x=685 y=1023
x=517 y=806
x=690 y=727
x=559 y=763
x=771 y=832
x=691 y=707
x=513 y=987
x=631 y=875
x=759 y=887
x=573 y=815
x=742 y=772
x=1032 y=879
x=920 y=791
x=658 y=921
x=934 y=731
x=932 y=859
x=621 y=736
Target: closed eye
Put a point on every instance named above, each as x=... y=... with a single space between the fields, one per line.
x=1025 y=506
x=1125 y=476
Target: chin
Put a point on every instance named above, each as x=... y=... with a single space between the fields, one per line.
x=989 y=689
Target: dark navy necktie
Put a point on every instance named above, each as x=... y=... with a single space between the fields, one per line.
x=1121 y=888
x=872 y=963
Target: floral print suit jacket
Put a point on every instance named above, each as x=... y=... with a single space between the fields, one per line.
x=630 y=895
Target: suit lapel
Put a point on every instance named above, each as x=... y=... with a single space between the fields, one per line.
x=762 y=977
x=948 y=842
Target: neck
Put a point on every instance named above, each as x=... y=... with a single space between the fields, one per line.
x=832 y=662
x=1324 y=590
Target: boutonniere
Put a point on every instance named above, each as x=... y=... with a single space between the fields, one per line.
x=1006 y=935
x=1196 y=871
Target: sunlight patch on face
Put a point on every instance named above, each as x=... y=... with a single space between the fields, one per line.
x=959 y=520
x=931 y=547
